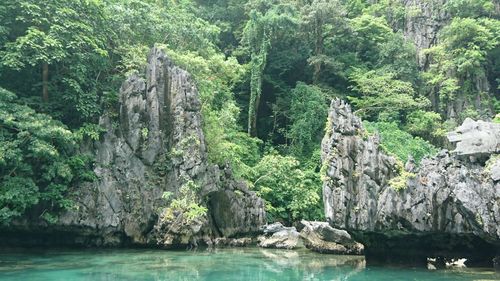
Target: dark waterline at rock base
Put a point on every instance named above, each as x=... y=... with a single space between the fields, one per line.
x=218 y=264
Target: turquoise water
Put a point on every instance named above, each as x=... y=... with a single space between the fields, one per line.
x=217 y=265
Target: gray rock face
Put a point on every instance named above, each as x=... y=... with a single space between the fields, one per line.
x=424 y=20
x=423 y=23
x=495 y=170
x=355 y=170
x=321 y=237
x=476 y=138
x=157 y=145
x=447 y=197
x=280 y=237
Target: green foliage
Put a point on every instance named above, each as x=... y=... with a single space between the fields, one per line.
x=69 y=38
x=308 y=112
x=185 y=205
x=261 y=30
x=38 y=164
x=371 y=32
x=400 y=182
x=392 y=10
x=427 y=125
x=291 y=193
x=400 y=143
x=397 y=56
x=463 y=57
x=91 y=131
x=497 y=118
x=470 y=8
x=50 y=32
x=322 y=19
x=383 y=97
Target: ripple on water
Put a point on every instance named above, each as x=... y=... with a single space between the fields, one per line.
x=242 y=264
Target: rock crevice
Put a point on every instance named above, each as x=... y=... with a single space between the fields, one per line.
x=450 y=206
x=155 y=145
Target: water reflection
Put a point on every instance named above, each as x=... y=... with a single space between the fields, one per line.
x=217 y=265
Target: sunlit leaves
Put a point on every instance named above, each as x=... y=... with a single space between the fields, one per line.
x=382 y=96
x=400 y=143
x=290 y=193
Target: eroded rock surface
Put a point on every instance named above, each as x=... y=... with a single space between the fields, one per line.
x=280 y=237
x=316 y=236
x=476 y=138
x=156 y=145
x=321 y=237
x=449 y=205
x=424 y=20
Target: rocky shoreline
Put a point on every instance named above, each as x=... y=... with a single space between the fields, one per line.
x=449 y=208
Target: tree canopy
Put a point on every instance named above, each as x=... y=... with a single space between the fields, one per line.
x=266 y=71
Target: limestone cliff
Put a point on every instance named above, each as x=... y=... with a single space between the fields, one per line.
x=450 y=207
x=423 y=21
x=156 y=145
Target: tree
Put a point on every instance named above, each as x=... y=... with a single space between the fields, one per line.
x=291 y=193
x=308 y=112
x=38 y=161
x=261 y=29
x=457 y=77
x=322 y=19
x=49 y=32
x=369 y=33
x=380 y=96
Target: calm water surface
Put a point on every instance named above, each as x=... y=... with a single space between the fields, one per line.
x=228 y=264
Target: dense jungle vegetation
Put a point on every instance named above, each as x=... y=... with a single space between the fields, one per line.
x=266 y=71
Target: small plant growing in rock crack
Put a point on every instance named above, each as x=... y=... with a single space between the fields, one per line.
x=496 y=119
x=489 y=164
x=185 y=206
x=176 y=153
x=399 y=183
x=144 y=133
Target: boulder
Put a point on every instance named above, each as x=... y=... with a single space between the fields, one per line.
x=321 y=237
x=273 y=228
x=476 y=138
x=280 y=237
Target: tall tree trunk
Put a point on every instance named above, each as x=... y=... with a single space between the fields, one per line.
x=45 y=82
x=255 y=92
x=258 y=62
x=253 y=132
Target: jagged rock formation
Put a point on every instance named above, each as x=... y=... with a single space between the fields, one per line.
x=156 y=146
x=476 y=139
x=424 y=20
x=450 y=206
